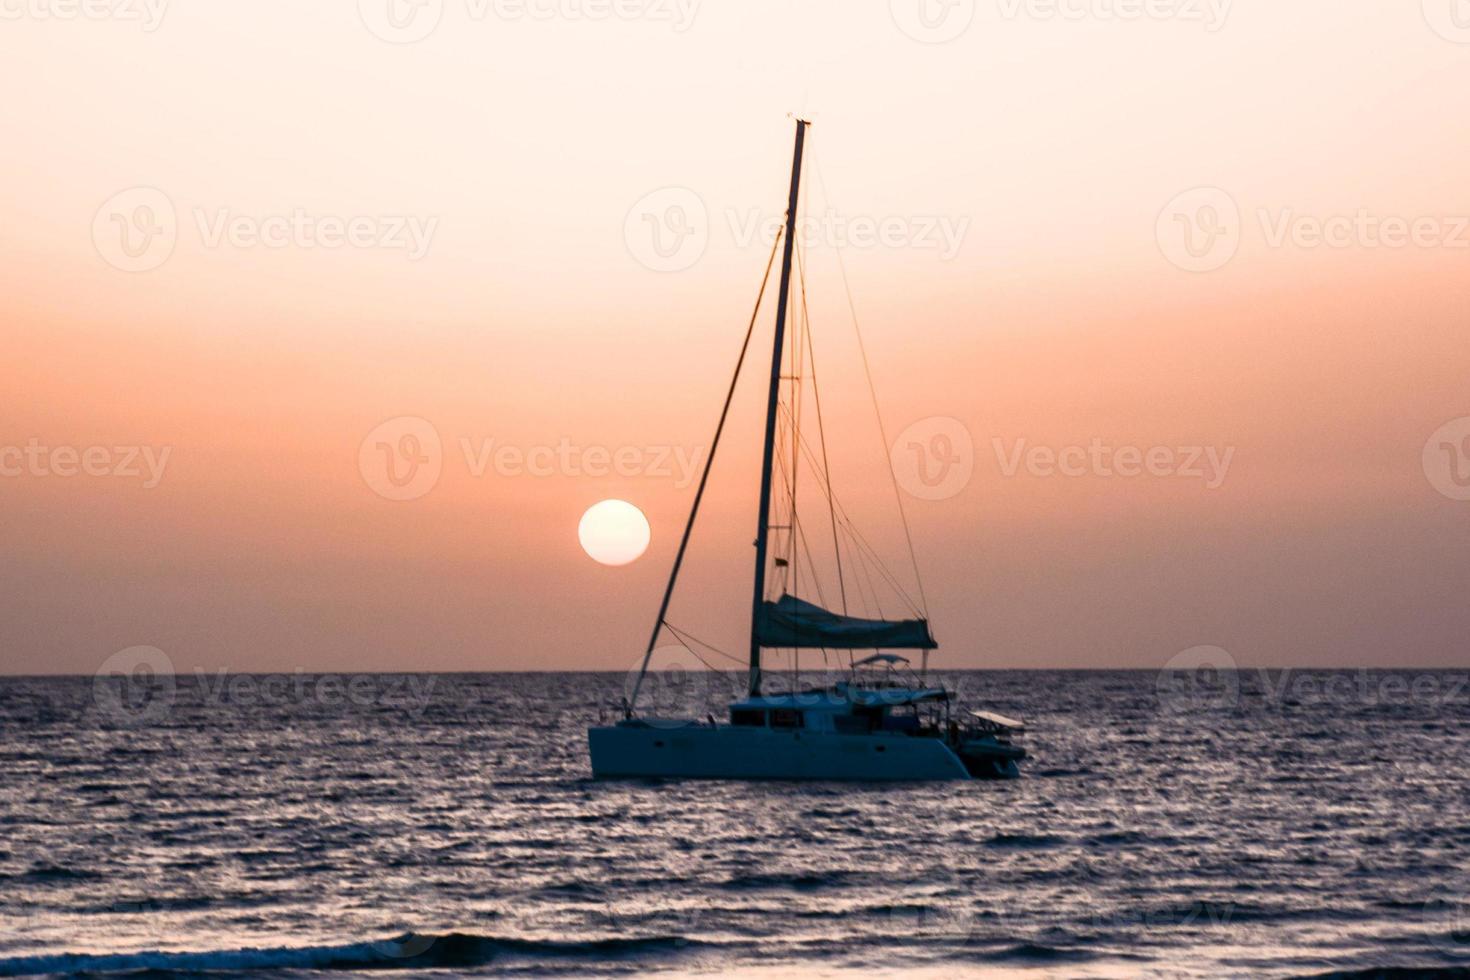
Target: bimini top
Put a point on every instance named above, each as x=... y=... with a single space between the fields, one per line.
x=793 y=622
x=999 y=721
x=882 y=658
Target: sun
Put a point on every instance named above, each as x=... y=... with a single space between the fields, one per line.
x=613 y=532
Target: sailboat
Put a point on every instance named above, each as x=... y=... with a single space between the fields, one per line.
x=881 y=721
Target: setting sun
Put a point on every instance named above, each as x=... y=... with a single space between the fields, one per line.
x=613 y=532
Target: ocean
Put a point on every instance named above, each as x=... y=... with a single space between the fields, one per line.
x=1256 y=823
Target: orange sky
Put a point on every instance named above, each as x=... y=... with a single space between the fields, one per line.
x=518 y=143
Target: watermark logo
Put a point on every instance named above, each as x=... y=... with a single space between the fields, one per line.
x=932 y=21
x=1446 y=459
x=400 y=21
x=675 y=690
x=135 y=686
x=402 y=458
x=667 y=230
x=1450 y=19
x=934 y=458
x=1202 y=678
x=135 y=230
x=148 y=13
x=1454 y=937
x=1199 y=230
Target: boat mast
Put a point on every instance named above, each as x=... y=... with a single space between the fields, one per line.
x=768 y=455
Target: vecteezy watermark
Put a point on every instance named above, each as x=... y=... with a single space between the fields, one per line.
x=677 y=689
x=1211 y=13
x=35 y=459
x=1208 y=678
x=942 y=233
x=410 y=692
x=408 y=21
x=1101 y=459
x=1450 y=19
x=147 y=13
x=137 y=229
x=403 y=459
x=1201 y=230
x=299 y=228
x=1285 y=687
x=932 y=21
x=668 y=230
x=934 y=458
x=1201 y=678
x=1453 y=906
x=139 y=686
x=1362 y=229
x=135 y=686
x=1446 y=459
x=567 y=458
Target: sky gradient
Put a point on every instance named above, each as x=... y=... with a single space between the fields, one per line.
x=1244 y=235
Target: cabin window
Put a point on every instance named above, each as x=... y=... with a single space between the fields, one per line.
x=786 y=718
x=902 y=718
x=747 y=718
x=851 y=724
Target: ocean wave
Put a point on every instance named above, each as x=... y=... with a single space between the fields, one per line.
x=1025 y=840
x=51 y=873
x=409 y=951
x=1035 y=953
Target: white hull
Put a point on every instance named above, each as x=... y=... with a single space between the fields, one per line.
x=696 y=751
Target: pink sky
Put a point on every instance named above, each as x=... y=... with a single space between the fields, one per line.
x=525 y=312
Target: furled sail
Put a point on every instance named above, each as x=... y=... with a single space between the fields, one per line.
x=793 y=622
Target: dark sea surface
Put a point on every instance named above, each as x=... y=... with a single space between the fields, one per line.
x=1243 y=824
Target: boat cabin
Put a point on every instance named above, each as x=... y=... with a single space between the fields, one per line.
x=847 y=710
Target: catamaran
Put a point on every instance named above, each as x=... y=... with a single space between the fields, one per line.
x=882 y=720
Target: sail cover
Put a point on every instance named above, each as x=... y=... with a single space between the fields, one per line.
x=793 y=622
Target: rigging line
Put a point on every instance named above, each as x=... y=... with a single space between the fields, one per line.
x=686 y=635
x=821 y=429
x=857 y=575
x=867 y=575
x=795 y=400
x=872 y=390
x=807 y=548
x=663 y=608
x=866 y=553
x=798 y=399
x=851 y=526
x=695 y=654
x=796 y=530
